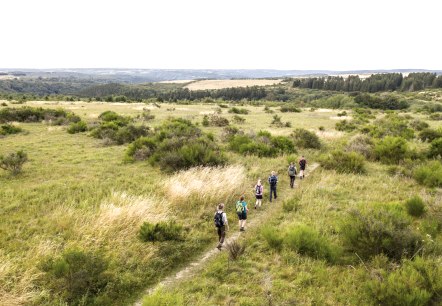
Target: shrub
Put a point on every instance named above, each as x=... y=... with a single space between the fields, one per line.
x=306 y=139
x=79 y=276
x=342 y=114
x=215 y=120
x=435 y=150
x=345 y=126
x=277 y=121
x=268 y=110
x=235 y=249
x=263 y=144
x=147 y=115
x=419 y=125
x=430 y=134
x=290 y=205
x=361 y=144
x=380 y=229
x=239 y=111
x=415 y=206
x=8 y=129
x=435 y=116
x=391 y=125
x=111 y=116
x=230 y=131
x=415 y=282
x=238 y=119
x=32 y=114
x=162 y=231
x=289 y=109
x=273 y=237
x=344 y=162
x=13 y=162
x=77 y=127
x=4 y=104
x=307 y=241
x=429 y=174
x=391 y=150
x=223 y=105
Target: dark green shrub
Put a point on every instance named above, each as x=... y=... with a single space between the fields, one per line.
x=306 y=139
x=77 y=276
x=435 y=116
x=9 y=129
x=361 y=144
x=380 y=229
x=415 y=206
x=263 y=144
x=268 y=110
x=344 y=162
x=342 y=114
x=307 y=241
x=31 y=114
x=416 y=282
x=277 y=121
x=215 y=120
x=391 y=125
x=435 y=150
x=273 y=237
x=345 y=126
x=4 y=104
x=111 y=116
x=429 y=174
x=13 y=162
x=130 y=133
x=238 y=119
x=77 y=127
x=223 y=105
x=430 y=134
x=419 y=125
x=239 y=111
x=391 y=150
x=289 y=109
x=206 y=121
x=162 y=231
x=230 y=131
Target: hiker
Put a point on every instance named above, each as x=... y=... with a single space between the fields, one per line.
x=302 y=165
x=273 y=180
x=258 y=193
x=221 y=224
x=241 y=211
x=292 y=173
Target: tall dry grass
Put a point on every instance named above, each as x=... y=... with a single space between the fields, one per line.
x=205 y=185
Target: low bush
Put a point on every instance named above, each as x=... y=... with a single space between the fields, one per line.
x=289 y=109
x=230 y=131
x=268 y=110
x=111 y=116
x=273 y=237
x=344 y=162
x=429 y=174
x=435 y=150
x=13 y=162
x=9 y=129
x=162 y=231
x=435 y=116
x=223 y=105
x=239 y=111
x=345 y=126
x=215 y=120
x=77 y=127
x=415 y=282
x=291 y=204
x=362 y=144
x=238 y=119
x=77 y=276
x=263 y=144
x=415 y=206
x=419 y=125
x=380 y=229
x=391 y=150
x=342 y=114
x=391 y=125
x=36 y=114
x=235 y=249
x=306 y=139
x=307 y=241
x=430 y=134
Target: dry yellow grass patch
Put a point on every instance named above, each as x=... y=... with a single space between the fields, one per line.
x=329 y=134
x=219 y=84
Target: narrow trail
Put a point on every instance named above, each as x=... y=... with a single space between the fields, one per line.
x=195 y=266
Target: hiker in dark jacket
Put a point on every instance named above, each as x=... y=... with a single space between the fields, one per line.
x=292 y=174
x=221 y=224
x=273 y=180
x=302 y=165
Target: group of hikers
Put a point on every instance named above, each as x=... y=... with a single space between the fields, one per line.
x=220 y=217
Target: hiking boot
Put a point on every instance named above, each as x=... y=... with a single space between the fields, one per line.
x=219 y=247
x=242 y=229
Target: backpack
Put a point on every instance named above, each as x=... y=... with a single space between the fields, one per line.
x=219 y=219
x=239 y=207
x=273 y=180
x=258 y=189
x=292 y=170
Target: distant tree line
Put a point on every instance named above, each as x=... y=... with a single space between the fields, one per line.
x=374 y=83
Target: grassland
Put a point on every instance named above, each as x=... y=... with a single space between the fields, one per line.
x=75 y=193
x=219 y=84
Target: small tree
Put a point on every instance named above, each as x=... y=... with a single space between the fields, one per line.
x=13 y=162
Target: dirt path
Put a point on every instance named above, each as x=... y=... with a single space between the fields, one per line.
x=194 y=267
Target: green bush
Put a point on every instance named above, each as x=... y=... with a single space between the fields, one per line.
x=215 y=120
x=419 y=125
x=289 y=109
x=239 y=111
x=13 y=162
x=391 y=150
x=415 y=206
x=391 y=125
x=238 y=119
x=34 y=114
x=111 y=116
x=162 y=231
x=380 y=229
x=430 y=134
x=9 y=129
x=435 y=116
x=77 y=276
x=77 y=127
x=273 y=237
x=415 y=282
x=263 y=144
x=344 y=162
x=435 y=150
x=307 y=241
x=306 y=139
x=290 y=204
x=345 y=126
x=362 y=144
x=429 y=174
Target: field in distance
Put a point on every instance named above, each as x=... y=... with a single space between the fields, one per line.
x=219 y=84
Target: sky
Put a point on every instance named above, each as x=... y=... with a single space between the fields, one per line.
x=221 y=34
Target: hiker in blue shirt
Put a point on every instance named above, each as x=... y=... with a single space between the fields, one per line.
x=273 y=180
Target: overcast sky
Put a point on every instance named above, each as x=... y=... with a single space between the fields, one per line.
x=227 y=34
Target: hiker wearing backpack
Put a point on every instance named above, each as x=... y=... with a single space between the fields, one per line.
x=273 y=180
x=241 y=211
x=292 y=173
x=302 y=165
x=221 y=224
x=258 y=193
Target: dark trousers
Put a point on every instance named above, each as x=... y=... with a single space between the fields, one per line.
x=272 y=190
x=221 y=234
x=292 y=180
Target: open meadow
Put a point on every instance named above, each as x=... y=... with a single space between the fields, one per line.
x=97 y=216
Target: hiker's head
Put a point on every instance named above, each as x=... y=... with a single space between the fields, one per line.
x=221 y=206
x=241 y=198
x=259 y=181
x=302 y=156
x=273 y=172
x=291 y=163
